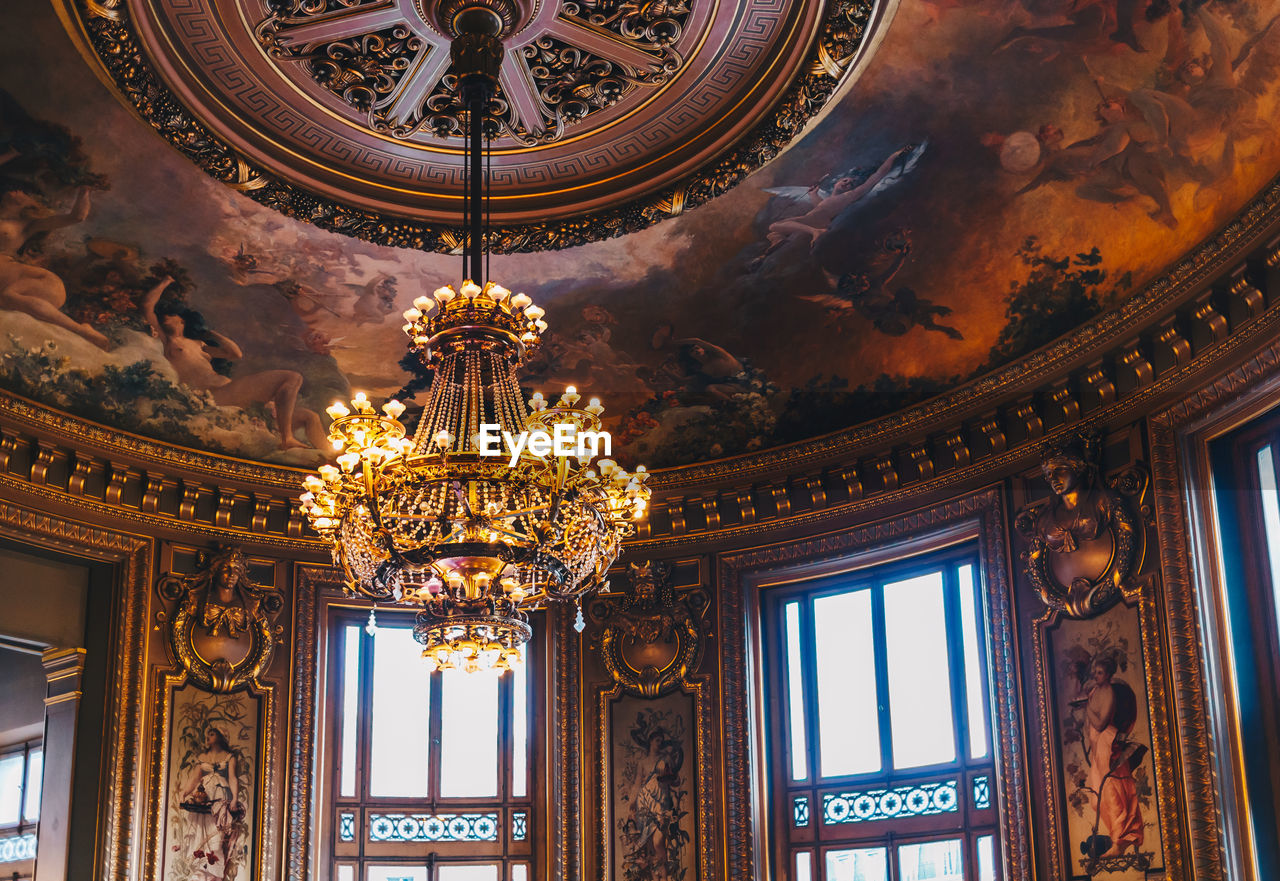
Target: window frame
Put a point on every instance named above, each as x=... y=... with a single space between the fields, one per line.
x=871 y=572
x=361 y=853
x=1250 y=623
x=24 y=826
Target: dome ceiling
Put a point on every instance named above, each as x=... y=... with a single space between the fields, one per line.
x=346 y=112
x=994 y=175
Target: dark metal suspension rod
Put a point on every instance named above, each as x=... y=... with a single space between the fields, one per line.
x=477 y=91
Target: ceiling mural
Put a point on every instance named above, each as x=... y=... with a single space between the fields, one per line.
x=999 y=172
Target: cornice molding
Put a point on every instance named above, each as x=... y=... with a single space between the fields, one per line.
x=1214 y=310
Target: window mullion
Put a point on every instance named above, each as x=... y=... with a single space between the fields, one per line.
x=364 y=737
x=956 y=662
x=435 y=736
x=882 y=677
x=809 y=682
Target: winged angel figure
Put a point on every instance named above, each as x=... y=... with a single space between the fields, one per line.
x=828 y=207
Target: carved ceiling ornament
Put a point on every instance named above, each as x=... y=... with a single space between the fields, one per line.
x=1085 y=541
x=221 y=631
x=614 y=114
x=560 y=71
x=652 y=636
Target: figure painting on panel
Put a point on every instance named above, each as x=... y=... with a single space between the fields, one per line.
x=1109 y=784
x=651 y=794
x=211 y=780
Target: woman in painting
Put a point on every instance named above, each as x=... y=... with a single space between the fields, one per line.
x=211 y=798
x=652 y=831
x=1110 y=714
x=35 y=290
x=192 y=350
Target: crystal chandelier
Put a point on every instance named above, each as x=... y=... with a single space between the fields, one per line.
x=437 y=521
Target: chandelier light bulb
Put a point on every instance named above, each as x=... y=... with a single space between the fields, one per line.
x=520 y=301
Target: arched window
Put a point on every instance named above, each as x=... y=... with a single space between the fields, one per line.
x=431 y=774
x=880 y=748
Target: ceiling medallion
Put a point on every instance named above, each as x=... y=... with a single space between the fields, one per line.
x=564 y=64
x=611 y=115
x=471 y=535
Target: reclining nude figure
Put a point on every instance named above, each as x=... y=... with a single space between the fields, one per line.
x=192 y=360
x=34 y=289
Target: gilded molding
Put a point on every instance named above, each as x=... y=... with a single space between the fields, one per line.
x=649 y=613
x=1081 y=567
x=1187 y=668
x=856 y=487
x=308 y=582
x=1144 y=594
x=696 y=688
x=221 y=599
x=111 y=35
x=126 y=681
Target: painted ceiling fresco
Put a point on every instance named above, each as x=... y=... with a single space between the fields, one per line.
x=1002 y=171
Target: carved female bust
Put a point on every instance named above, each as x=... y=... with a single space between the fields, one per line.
x=1083 y=541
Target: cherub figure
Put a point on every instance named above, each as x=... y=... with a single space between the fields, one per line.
x=827 y=206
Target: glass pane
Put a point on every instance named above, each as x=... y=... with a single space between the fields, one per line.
x=795 y=696
x=975 y=695
x=931 y=861
x=401 y=701
x=919 y=672
x=467 y=873
x=864 y=864
x=35 y=781
x=986 y=858
x=469 y=734
x=346 y=873
x=1271 y=518
x=804 y=867
x=350 y=707
x=519 y=872
x=520 y=729
x=397 y=873
x=848 y=727
x=10 y=789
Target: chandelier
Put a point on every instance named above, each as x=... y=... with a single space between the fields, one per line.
x=491 y=507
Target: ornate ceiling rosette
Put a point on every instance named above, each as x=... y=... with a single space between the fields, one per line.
x=610 y=114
